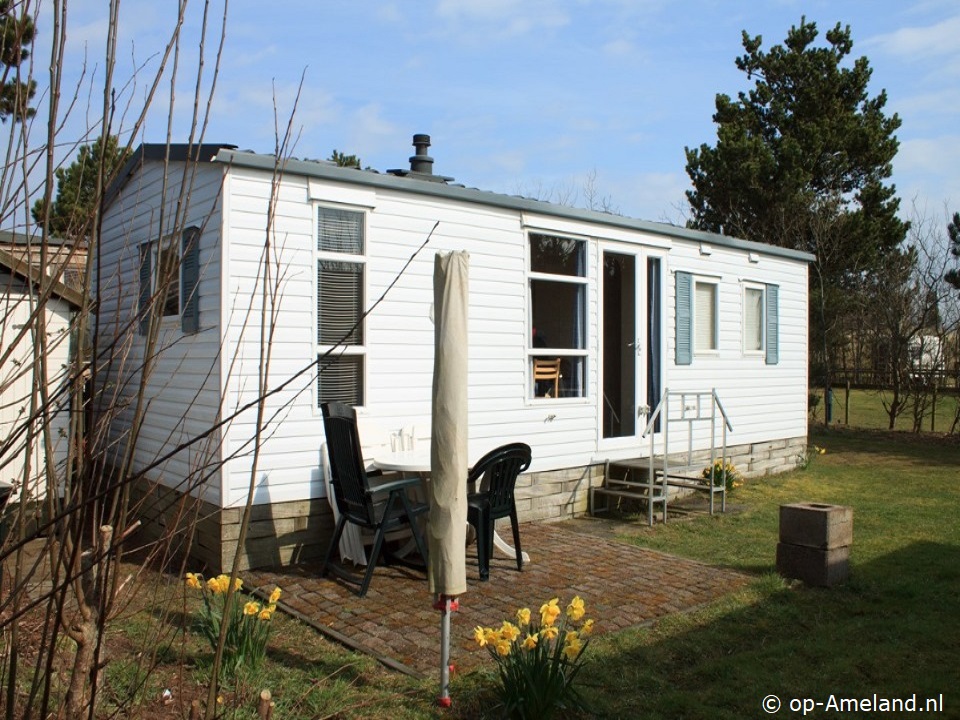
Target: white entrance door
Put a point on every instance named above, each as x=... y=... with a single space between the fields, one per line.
x=631 y=342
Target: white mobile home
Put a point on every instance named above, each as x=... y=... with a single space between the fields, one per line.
x=628 y=308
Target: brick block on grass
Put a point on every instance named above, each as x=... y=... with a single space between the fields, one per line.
x=818 y=567
x=816 y=525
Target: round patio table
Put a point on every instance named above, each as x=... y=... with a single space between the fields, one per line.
x=418 y=462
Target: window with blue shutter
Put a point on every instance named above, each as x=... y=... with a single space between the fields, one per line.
x=772 y=329
x=684 y=318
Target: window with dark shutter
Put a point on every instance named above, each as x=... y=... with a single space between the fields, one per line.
x=190 y=280
x=340 y=231
x=341 y=379
x=339 y=302
x=341 y=274
x=146 y=287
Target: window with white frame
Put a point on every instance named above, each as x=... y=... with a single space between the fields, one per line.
x=557 y=350
x=170 y=280
x=761 y=321
x=341 y=274
x=753 y=319
x=161 y=258
x=705 y=336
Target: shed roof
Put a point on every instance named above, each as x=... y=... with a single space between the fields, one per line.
x=31 y=273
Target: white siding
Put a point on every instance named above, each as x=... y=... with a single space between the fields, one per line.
x=221 y=365
x=183 y=387
x=764 y=401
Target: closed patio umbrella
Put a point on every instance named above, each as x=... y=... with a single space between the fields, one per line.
x=448 y=447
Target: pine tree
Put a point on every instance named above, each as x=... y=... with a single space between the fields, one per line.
x=344 y=160
x=953 y=232
x=802 y=160
x=16 y=37
x=72 y=210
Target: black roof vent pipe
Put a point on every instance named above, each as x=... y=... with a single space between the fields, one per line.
x=421 y=164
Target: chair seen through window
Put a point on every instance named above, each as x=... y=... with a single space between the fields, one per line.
x=545 y=372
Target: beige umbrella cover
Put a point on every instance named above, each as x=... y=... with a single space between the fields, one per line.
x=448 y=447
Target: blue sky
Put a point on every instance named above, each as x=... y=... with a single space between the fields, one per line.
x=537 y=97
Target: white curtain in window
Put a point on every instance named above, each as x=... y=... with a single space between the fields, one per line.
x=705 y=332
x=753 y=319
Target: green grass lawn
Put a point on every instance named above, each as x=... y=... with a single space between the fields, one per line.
x=865 y=409
x=893 y=629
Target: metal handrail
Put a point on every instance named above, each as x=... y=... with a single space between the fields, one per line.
x=663 y=409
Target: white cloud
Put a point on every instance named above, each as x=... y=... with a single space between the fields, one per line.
x=927 y=168
x=370 y=130
x=389 y=13
x=619 y=48
x=498 y=19
x=655 y=196
x=939 y=39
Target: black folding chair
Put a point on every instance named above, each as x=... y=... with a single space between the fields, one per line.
x=382 y=508
x=497 y=471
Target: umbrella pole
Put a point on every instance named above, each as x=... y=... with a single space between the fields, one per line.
x=445 y=604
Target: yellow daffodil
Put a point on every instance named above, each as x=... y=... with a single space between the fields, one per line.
x=549 y=612
x=572 y=648
x=530 y=642
x=193 y=581
x=491 y=636
x=267 y=612
x=587 y=627
x=480 y=636
x=549 y=632
x=503 y=647
x=523 y=616
x=213 y=585
x=509 y=631
x=274 y=596
x=251 y=608
x=575 y=609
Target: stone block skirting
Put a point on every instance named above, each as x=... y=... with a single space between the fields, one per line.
x=291 y=532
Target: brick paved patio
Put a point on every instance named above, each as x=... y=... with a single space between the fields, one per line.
x=623 y=586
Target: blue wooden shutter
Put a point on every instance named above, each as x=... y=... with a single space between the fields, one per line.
x=190 y=280
x=143 y=302
x=773 y=324
x=684 y=316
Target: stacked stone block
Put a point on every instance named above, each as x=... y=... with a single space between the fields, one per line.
x=815 y=542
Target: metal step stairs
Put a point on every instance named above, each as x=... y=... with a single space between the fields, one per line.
x=650 y=478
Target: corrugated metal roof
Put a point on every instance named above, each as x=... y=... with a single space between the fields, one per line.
x=322 y=169
x=329 y=171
